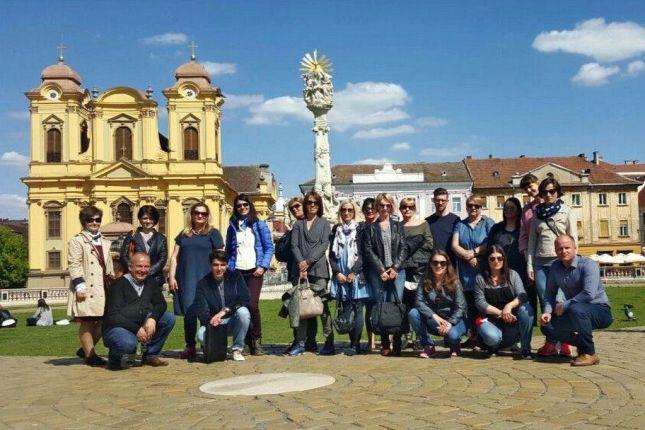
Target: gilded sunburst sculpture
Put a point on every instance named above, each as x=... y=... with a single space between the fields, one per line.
x=315 y=65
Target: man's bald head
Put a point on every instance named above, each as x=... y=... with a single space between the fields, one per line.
x=566 y=249
x=139 y=266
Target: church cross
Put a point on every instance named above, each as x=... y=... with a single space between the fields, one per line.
x=60 y=51
x=192 y=47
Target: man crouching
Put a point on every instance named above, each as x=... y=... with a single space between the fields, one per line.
x=223 y=298
x=135 y=311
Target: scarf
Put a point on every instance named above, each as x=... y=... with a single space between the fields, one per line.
x=346 y=237
x=542 y=211
x=96 y=238
x=243 y=223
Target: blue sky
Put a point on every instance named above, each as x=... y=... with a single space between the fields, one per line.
x=414 y=81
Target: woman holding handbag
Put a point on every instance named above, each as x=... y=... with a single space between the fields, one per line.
x=309 y=243
x=385 y=252
x=347 y=268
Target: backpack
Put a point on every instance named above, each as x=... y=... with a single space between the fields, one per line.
x=282 y=249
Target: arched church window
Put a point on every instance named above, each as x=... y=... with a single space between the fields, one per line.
x=85 y=138
x=124 y=212
x=54 y=146
x=191 y=144
x=123 y=143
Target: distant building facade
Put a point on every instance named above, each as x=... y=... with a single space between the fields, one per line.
x=605 y=203
x=636 y=171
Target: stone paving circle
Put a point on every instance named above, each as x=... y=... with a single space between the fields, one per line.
x=266 y=383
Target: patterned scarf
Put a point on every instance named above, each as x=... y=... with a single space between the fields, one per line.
x=542 y=211
x=346 y=236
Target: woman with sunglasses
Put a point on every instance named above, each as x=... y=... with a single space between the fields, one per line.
x=90 y=270
x=505 y=314
x=190 y=263
x=385 y=252
x=148 y=240
x=249 y=248
x=347 y=266
x=469 y=240
x=551 y=219
x=419 y=239
x=309 y=244
x=440 y=306
x=366 y=293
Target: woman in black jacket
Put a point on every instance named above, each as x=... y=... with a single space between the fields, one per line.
x=385 y=252
x=148 y=240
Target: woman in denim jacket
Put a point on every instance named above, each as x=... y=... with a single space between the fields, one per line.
x=440 y=306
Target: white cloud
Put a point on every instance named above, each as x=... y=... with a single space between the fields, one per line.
x=13 y=206
x=430 y=122
x=235 y=101
x=166 y=39
x=19 y=114
x=635 y=68
x=278 y=110
x=218 y=69
x=452 y=152
x=12 y=158
x=594 y=74
x=605 y=42
x=357 y=105
x=377 y=133
x=401 y=146
x=373 y=161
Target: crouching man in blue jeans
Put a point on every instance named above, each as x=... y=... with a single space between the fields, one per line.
x=222 y=297
x=135 y=312
x=586 y=305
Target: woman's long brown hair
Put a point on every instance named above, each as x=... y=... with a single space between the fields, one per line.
x=450 y=279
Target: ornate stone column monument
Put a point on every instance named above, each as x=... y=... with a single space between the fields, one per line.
x=318 y=94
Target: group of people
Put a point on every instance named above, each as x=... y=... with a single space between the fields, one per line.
x=471 y=281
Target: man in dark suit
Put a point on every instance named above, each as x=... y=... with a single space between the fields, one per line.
x=135 y=311
x=222 y=297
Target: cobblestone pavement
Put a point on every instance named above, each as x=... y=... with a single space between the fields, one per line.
x=370 y=392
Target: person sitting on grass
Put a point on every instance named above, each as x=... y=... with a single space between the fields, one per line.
x=222 y=297
x=6 y=319
x=135 y=312
x=586 y=305
x=43 y=316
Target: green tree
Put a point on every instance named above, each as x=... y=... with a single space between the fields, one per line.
x=14 y=263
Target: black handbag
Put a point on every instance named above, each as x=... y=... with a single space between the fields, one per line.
x=389 y=317
x=215 y=343
x=345 y=314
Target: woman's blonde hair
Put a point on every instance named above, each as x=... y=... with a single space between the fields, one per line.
x=476 y=199
x=357 y=211
x=385 y=196
x=188 y=230
x=408 y=201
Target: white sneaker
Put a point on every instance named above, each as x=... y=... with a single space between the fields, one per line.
x=237 y=355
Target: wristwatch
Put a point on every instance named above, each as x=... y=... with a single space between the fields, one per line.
x=226 y=310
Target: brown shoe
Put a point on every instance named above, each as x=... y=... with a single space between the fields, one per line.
x=386 y=352
x=585 y=360
x=155 y=362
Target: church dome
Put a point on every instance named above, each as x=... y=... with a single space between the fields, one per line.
x=60 y=71
x=192 y=70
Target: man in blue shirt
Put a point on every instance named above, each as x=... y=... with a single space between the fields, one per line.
x=586 y=305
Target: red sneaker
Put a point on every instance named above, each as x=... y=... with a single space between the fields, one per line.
x=189 y=353
x=547 y=350
x=565 y=350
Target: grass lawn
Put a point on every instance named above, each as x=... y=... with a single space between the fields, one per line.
x=63 y=340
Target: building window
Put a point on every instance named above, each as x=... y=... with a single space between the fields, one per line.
x=161 y=225
x=575 y=199
x=622 y=198
x=602 y=199
x=124 y=213
x=85 y=138
x=500 y=202
x=53 y=260
x=456 y=205
x=123 y=143
x=604 y=228
x=485 y=202
x=53 y=224
x=54 y=146
x=191 y=144
x=580 y=227
x=623 y=229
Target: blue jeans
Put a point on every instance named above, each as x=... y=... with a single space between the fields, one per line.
x=580 y=318
x=122 y=341
x=541 y=277
x=423 y=325
x=501 y=335
x=237 y=325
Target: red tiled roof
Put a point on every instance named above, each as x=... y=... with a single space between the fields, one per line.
x=244 y=179
x=483 y=171
x=626 y=168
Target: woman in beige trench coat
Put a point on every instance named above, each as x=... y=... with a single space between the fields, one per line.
x=90 y=269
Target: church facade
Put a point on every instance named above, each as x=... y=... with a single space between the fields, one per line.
x=105 y=149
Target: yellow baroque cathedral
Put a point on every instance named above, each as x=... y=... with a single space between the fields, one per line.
x=105 y=149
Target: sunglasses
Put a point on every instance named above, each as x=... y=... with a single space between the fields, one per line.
x=95 y=219
x=551 y=192
x=200 y=214
x=492 y=259
x=439 y=263
x=242 y=205
x=408 y=208
x=312 y=203
x=294 y=207
x=347 y=210
x=384 y=205
x=368 y=209
x=474 y=206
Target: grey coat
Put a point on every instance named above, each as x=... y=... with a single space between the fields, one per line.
x=290 y=305
x=452 y=309
x=311 y=245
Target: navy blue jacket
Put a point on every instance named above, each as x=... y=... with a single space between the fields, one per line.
x=263 y=244
x=208 y=301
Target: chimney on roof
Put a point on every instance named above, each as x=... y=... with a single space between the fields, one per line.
x=469 y=157
x=596 y=157
x=490 y=156
x=582 y=155
x=522 y=156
